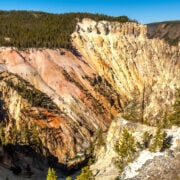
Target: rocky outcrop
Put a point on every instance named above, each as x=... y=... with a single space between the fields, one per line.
x=137 y=67
x=146 y=165
x=167 y=167
x=23 y=110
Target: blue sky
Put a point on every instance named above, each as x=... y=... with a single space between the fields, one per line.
x=145 y=11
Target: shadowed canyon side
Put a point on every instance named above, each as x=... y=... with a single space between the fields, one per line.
x=114 y=65
x=168 y=30
x=138 y=68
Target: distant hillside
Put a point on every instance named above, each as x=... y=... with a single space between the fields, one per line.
x=25 y=29
x=169 y=30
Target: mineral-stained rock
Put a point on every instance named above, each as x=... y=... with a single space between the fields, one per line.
x=111 y=64
x=83 y=98
x=132 y=63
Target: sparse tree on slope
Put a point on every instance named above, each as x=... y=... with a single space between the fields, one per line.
x=69 y=178
x=125 y=149
x=51 y=174
x=175 y=116
x=86 y=174
x=160 y=141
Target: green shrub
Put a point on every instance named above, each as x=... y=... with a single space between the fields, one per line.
x=86 y=174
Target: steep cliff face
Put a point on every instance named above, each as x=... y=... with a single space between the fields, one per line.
x=24 y=108
x=68 y=79
x=137 y=67
x=83 y=104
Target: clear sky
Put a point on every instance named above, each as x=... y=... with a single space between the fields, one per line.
x=145 y=11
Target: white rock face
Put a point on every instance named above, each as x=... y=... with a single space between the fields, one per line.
x=104 y=168
x=132 y=169
x=131 y=62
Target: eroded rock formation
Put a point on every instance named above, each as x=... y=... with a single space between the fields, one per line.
x=133 y=64
x=114 y=63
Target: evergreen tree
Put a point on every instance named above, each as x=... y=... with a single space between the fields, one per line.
x=175 y=116
x=86 y=174
x=125 y=149
x=34 y=136
x=160 y=141
x=100 y=138
x=25 y=29
x=14 y=135
x=69 y=178
x=51 y=174
x=146 y=139
x=2 y=134
x=25 y=134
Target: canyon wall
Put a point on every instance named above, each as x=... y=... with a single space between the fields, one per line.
x=113 y=64
x=137 y=67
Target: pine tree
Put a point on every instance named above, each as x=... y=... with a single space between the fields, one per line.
x=146 y=139
x=160 y=140
x=125 y=149
x=157 y=141
x=174 y=117
x=2 y=134
x=86 y=174
x=34 y=136
x=69 y=178
x=51 y=174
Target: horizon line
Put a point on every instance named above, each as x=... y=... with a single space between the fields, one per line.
x=60 y=13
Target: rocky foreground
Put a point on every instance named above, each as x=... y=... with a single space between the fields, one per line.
x=146 y=165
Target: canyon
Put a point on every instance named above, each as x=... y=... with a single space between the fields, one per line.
x=70 y=95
